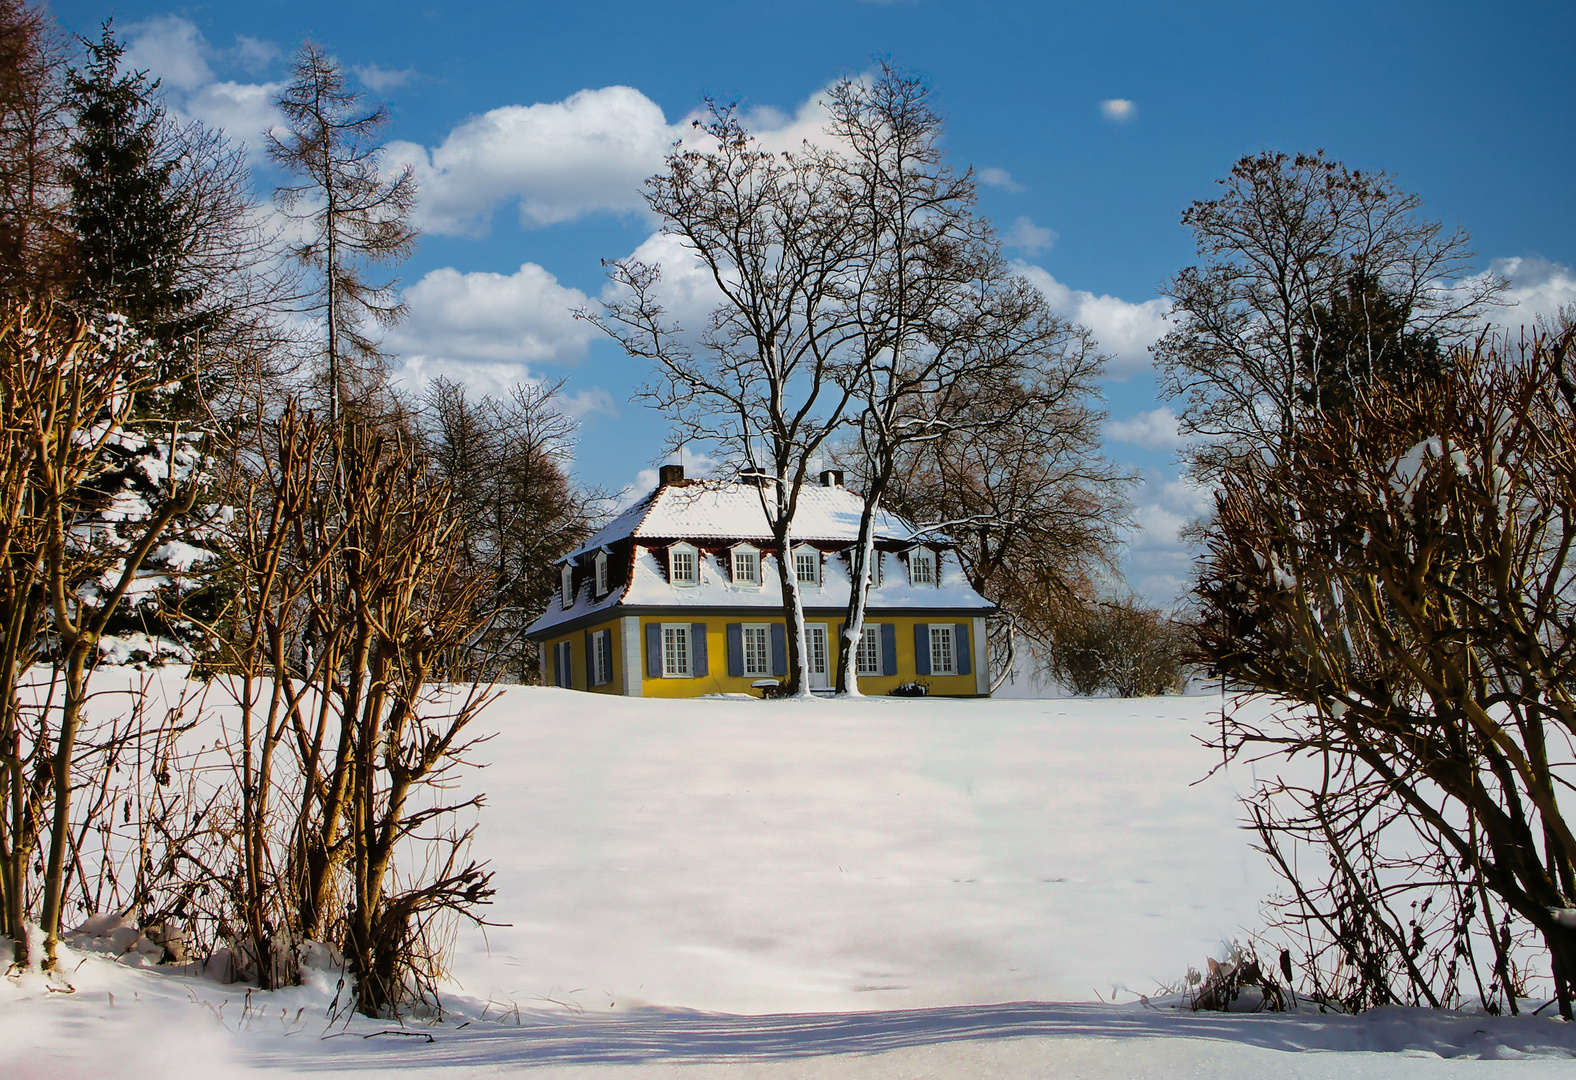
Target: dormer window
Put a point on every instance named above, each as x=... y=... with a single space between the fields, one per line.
x=601 y=573
x=746 y=565
x=807 y=566
x=566 y=585
x=875 y=569
x=683 y=565
x=922 y=566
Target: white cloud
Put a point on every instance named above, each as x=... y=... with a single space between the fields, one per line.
x=1153 y=430
x=1538 y=289
x=560 y=161
x=379 y=79
x=252 y=54
x=172 y=49
x=687 y=291
x=1118 y=110
x=486 y=318
x=1159 y=563
x=991 y=176
x=1123 y=329
x=1031 y=238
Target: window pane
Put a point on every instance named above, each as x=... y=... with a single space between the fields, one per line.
x=756 y=660
x=683 y=564
x=806 y=564
x=675 y=650
x=747 y=566
x=941 y=650
x=869 y=658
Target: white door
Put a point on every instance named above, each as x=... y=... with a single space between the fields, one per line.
x=819 y=668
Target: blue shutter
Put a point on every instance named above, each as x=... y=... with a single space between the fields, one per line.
x=735 y=635
x=653 y=650
x=592 y=674
x=558 y=658
x=779 y=650
x=960 y=644
x=698 y=649
x=888 y=649
x=922 y=648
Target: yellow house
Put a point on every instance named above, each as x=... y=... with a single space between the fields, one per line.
x=679 y=596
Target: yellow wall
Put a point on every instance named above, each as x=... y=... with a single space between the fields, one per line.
x=580 y=663
x=718 y=681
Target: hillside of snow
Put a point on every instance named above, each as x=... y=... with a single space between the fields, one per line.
x=826 y=888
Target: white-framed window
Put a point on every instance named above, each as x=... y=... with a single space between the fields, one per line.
x=807 y=566
x=602 y=657
x=756 y=642
x=683 y=565
x=875 y=569
x=943 y=651
x=563 y=670
x=868 y=658
x=676 y=651
x=922 y=566
x=601 y=573
x=746 y=565
x=566 y=585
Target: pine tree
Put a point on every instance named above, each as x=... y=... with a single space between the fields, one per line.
x=125 y=208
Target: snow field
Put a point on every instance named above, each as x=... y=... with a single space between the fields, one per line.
x=880 y=888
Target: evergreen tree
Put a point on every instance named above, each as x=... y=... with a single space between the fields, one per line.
x=1360 y=337
x=125 y=207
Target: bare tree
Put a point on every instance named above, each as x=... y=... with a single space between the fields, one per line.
x=508 y=463
x=75 y=543
x=34 y=237
x=358 y=218
x=778 y=235
x=1401 y=576
x=1290 y=236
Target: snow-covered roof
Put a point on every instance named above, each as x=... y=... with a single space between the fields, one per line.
x=715 y=510
x=703 y=510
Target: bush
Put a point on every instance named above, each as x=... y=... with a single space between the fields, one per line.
x=1121 y=648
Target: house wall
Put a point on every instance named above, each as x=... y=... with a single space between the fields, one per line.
x=718 y=681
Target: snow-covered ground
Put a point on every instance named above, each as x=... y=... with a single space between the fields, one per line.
x=841 y=889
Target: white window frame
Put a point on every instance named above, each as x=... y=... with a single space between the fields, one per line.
x=918 y=557
x=762 y=632
x=748 y=559
x=813 y=557
x=601 y=573
x=867 y=658
x=875 y=568
x=674 y=553
x=601 y=664
x=677 y=663
x=943 y=643
x=566 y=586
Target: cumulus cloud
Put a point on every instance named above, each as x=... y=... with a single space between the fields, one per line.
x=1123 y=329
x=1159 y=562
x=1118 y=110
x=998 y=178
x=1153 y=430
x=173 y=50
x=1031 y=238
x=378 y=79
x=1538 y=290
x=687 y=292
x=511 y=319
x=558 y=161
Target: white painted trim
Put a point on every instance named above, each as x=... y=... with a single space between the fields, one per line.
x=629 y=632
x=981 y=657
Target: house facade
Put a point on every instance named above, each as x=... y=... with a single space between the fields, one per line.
x=679 y=596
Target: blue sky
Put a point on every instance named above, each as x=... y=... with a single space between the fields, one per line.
x=531 y=126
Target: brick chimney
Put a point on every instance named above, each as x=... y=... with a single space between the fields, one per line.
x=831 y=477
x=669 y=474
